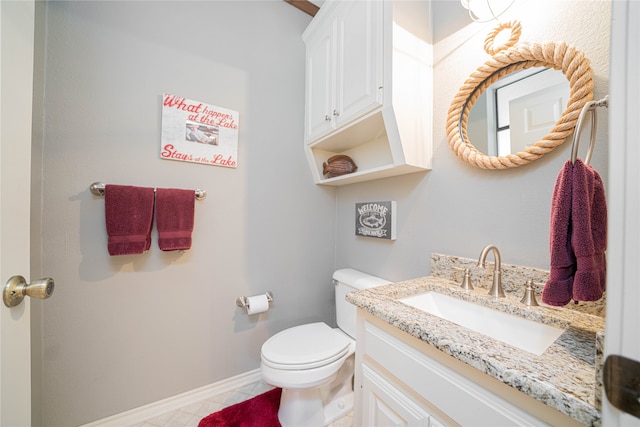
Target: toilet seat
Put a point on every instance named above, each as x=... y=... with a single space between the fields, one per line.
x=305 y=347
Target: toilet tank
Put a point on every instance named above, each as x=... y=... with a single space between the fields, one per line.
x=345 y=281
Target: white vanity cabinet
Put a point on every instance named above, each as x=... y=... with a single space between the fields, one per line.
x=403 y=381
x=368 y=88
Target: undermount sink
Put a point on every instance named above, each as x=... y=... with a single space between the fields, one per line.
x=525 y=334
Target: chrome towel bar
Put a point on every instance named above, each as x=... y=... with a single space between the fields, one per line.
x=97 y=189
x=588 y=107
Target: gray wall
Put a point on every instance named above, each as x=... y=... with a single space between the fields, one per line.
x=455 y=208
x=124 y=331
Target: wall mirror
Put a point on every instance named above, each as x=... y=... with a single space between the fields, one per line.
x=517 y=111
x=519 y=105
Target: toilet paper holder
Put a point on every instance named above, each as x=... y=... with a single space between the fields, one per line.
x=243 y=302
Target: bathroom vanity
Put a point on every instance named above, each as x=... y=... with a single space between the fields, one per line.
x=416 y=368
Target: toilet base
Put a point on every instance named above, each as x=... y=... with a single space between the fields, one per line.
x=338 y=408
x=301 y=408
x=319 y=406
x=338 y=396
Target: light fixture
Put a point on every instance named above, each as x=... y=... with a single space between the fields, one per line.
x=486 y=10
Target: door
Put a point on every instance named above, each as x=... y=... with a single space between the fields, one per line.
x=623 y=255
x=359 y=60
x=386 y=405
x=343 y=67
x=319 y=80
x=16 y=81
x=534 y=106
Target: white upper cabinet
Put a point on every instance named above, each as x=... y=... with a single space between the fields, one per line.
x=343 y=67
x=319 y=92
x=368 y=88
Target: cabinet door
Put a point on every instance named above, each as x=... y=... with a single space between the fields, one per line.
x=359 y=57
x=320 y=82
x=383 y=404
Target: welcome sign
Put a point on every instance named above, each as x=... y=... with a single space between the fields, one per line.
x=376 y=219
x=193 y=131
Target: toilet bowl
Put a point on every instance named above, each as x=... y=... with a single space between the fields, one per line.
x=314 y=363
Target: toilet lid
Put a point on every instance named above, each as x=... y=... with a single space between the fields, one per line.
x=305 y=347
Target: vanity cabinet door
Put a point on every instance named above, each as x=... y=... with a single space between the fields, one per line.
x=343 y=67
x=386 y=404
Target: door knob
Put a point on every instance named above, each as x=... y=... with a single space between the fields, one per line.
x=17 y=288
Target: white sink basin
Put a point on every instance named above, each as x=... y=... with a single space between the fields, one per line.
x=525 y=334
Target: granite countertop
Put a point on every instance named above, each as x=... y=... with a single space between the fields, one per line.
x=564 y=377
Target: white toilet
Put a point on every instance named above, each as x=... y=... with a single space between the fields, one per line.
x=314 y=363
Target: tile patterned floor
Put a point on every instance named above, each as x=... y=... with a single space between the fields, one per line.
x=190 y=416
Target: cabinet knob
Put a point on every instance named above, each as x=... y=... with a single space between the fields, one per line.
x=335 y=113
x=327 y=118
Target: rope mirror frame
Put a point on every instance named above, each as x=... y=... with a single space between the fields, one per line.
x=557 y=55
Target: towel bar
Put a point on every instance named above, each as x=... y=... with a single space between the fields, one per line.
x=97 y=189
x=588 y=107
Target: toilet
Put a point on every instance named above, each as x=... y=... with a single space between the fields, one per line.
x=314 y=363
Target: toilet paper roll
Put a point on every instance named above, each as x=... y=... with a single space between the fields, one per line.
x=257 y=304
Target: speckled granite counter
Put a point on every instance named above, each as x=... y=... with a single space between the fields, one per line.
x=564 y=377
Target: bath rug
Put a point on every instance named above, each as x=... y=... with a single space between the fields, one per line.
x=260 y=411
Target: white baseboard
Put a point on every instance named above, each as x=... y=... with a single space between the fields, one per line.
x=142 y=413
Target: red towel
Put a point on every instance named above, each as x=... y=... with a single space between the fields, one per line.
x=578 y=237
x=129 y=217
x=558 y=290
x=589 y=233
x=174 y=218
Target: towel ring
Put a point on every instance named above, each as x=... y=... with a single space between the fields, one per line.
x=97 y=189
x=589 y=107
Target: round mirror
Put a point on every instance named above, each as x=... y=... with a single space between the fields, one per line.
x=517 y=111
x=530 y=61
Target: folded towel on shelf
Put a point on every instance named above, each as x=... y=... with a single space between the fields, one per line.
x=129 y=218
x=558 y=290
x=589 y=233
x=174 y=218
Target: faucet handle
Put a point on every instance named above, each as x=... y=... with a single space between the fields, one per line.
x=466 y=280
x=529 y=297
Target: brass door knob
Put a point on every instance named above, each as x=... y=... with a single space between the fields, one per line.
x=17 y=288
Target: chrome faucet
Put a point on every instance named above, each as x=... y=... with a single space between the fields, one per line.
x=496 y=287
